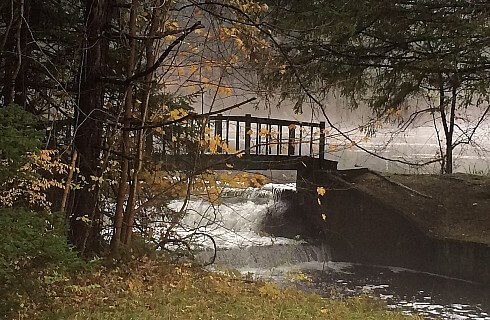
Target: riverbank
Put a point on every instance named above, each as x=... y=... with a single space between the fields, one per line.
x=432 y=223
x=455 y=207
x=149 y=289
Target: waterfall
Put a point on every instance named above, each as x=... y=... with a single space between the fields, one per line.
x=237 y=225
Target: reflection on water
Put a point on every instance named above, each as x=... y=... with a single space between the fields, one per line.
x=413 y=292
x=433 y=296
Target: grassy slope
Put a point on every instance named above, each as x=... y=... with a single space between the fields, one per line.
x=154 y=290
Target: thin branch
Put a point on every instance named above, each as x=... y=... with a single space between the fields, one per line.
x=190 y=116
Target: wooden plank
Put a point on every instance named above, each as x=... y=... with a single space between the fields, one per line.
x=237 y=136
x=321 y=147
x=300 y=138
x=311 y=142
x=291 y=140
x=218 y=130
x=257 y=138
x=268 y=121
x=248 y=127
x=246 y=162
x=227 y=133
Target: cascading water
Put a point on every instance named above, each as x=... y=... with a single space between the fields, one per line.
x=236 y=226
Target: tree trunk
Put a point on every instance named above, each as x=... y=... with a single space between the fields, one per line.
x=89 y=125
x=448 y=125
x=125 y=143
x=150 y=60
x=13 y=56
x=450 y=134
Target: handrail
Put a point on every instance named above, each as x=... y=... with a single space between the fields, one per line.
x=248 y=120
x=271 y=121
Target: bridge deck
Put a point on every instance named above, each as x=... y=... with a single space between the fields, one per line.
x=246 y=162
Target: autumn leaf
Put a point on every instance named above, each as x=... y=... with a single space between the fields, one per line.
x=321 y=191
x=324 y=216
x=193 y=68
x=239 y=42
x=282 y=69
x=263 y=132
x=250 y=132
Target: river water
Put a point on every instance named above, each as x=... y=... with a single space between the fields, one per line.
x=235 y=225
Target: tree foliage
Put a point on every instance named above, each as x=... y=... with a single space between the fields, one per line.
x=386 y=53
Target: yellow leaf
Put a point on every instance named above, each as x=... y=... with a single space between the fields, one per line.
x=250 y=132
x=292 y=126
x=324 y=216
x=233 y=59
x=172 y=25
x=326 y=131
x=319 y=202
x=170 y=38
x=193 y=68
x=239 y=42
x=321 y=191
x=263 y=132
x=174 y=138
x=332 y=147
x=229 y=166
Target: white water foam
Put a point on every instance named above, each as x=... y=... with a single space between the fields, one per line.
x=236 y=221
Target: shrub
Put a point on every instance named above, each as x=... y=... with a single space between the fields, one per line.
x=32 y=244
x=32 y=240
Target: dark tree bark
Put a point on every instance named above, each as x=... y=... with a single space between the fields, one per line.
x=13 y=54
x=89 y=123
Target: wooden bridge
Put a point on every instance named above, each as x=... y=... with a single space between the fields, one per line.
x=265 y=144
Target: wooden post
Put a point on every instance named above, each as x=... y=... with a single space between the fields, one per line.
x=218 y=130
x=300 y=137
x=291 y=143
x=237 y=136
x=321 y=147
x=248 y=127
x=227 y=133
x=279 y=140
x=257 y=139
x=311 y=140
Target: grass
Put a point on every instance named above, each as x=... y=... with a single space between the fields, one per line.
x=156 y=290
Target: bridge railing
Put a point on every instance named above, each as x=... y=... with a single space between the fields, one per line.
x=253 y=135
x=267 y=136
